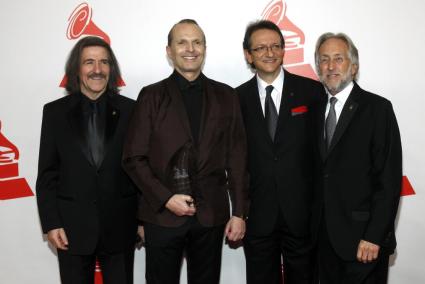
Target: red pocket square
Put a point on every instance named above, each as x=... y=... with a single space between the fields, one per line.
x=299 y=110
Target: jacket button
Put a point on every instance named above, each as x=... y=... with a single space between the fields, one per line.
x=94 y=201
x=326 y=175
x=275 y=159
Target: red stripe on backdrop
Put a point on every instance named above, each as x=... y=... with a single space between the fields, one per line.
x=406 y=187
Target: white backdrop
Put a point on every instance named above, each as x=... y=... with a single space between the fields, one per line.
x=390 y=36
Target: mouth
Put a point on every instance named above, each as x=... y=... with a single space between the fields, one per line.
x=332 y=76
x=97 y=77
x=190 y=58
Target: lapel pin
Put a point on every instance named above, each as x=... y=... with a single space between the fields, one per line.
x=114 y=112
x=351 y=107
x=291 y=94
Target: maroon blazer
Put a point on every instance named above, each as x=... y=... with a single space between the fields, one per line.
x=159 y=127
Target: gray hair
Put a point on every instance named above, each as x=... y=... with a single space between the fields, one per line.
x=353 y=53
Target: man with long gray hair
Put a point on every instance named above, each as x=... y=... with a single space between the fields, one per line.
x=87 y=203
x=359 y=181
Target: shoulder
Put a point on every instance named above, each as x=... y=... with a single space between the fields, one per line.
x=370 y=98
x=302 y=82
x=123 y=100
x=247 y=88
x=152 y=90
x=60 y=104
x=219 y=86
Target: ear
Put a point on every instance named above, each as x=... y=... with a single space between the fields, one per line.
x=354 y=70
x=248 y=56
x=168 y=50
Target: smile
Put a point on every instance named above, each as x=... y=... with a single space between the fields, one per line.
x=190 y=57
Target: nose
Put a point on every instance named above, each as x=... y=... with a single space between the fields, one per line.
x=97 y=67
x=331 y=65
x=269 y=51
x=190 y=47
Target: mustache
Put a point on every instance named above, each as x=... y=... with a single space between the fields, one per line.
x=97 y=76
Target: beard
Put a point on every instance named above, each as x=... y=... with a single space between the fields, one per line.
x=346 y=79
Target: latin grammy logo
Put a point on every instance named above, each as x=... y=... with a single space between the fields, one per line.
x=11 y=185
x=80 y=23
x=294 y=39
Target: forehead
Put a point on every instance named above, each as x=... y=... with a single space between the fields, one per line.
x=265 y=36
x=94 y=52
x=333 y=46
x=187 y=31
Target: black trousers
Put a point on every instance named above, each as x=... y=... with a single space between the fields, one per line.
x=79 y=269
x=166 y=246
x=264 y=256
x=334 y=270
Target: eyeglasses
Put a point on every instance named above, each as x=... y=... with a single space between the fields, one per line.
x=265 y=48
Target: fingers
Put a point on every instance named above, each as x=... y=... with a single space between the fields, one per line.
x=181 y=205
x=367 y=252
x=141 y=233
x=235 y=229
x=58 y=239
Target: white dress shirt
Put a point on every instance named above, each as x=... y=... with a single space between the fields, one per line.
x=341 y=99
x=276 y=93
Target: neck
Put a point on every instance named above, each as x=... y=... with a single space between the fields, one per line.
x=190 y=76
x=269 y=77
x=93 y=96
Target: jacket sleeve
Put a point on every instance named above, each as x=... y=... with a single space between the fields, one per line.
x=386 y=175
x=48 y=174
x=136 y=152
x=237 y=162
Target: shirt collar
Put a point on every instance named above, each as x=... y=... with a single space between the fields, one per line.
x=100 y=101
x=343 y=95
x=277 y=83
x=185 y=84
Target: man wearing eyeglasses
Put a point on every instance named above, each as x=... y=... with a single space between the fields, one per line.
x=276 y=107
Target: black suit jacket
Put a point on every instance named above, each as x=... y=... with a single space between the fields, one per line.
x=281 y=172
x=95 y=206
x=360 y=177
x=160 y=127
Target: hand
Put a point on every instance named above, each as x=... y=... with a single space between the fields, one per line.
x=58 y=239
x=235 y=229
x=181 y=205
x=367 y=252
x=141 y=233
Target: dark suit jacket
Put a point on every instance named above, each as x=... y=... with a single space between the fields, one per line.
x=160 y=127
x=95 y=206
x=360 y=174
x=281 y=172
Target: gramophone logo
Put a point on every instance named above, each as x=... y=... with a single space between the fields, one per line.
x=80 y=23
x=294 y=54
x=11 y=185
x=294 y=39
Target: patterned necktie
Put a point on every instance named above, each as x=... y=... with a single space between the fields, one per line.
x=95 y=140
x=331 y=121
x=270 y=112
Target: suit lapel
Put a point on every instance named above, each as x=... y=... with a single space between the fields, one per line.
x=208 y=127
x=177 y=105
x=321 y=129
x=255 y=109
x=347 y=114
x=112 y=118
x=287 y=100
x=76 y=120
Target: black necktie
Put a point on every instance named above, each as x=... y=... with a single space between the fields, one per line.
x=95 y=140
x=331 y=121
x=270 y=112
